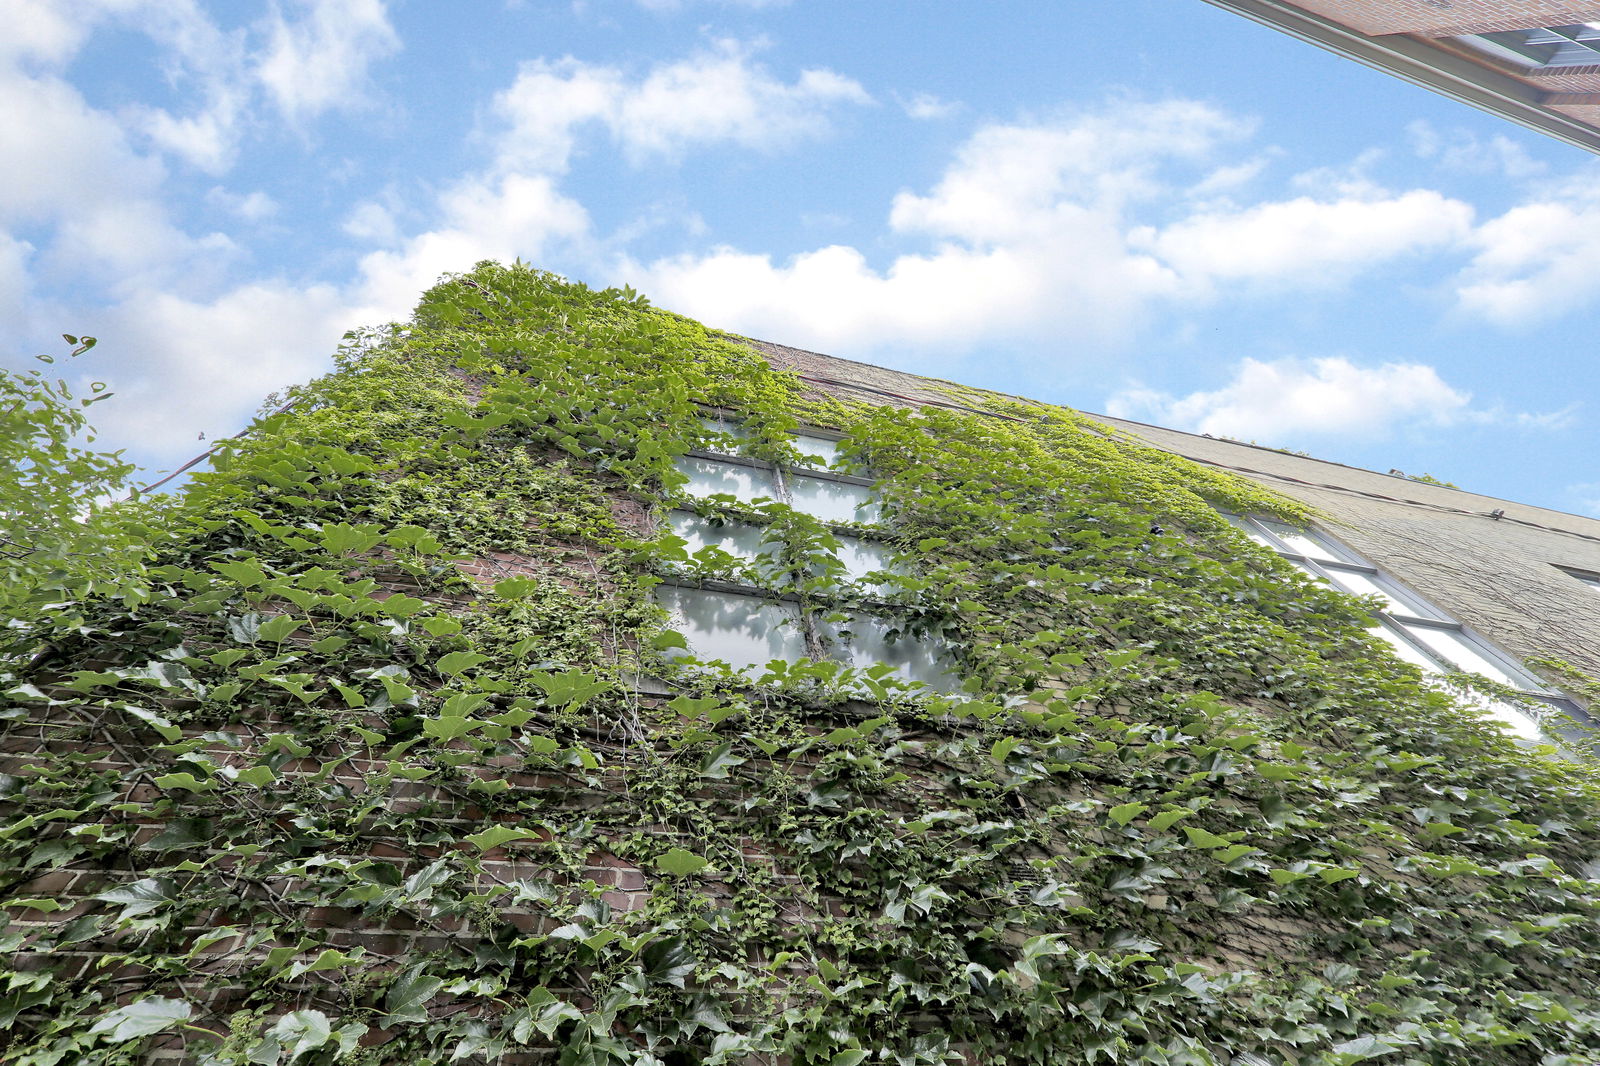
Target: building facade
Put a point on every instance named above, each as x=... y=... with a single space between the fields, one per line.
x=563 y=682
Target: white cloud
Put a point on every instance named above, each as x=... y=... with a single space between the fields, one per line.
x=1028 y=233
x=198 y=366
x=1296 y=398
x=318 y=61
x=717 y=95
x=1537 y=261
x=255 y=206
x=1465 y=151
x=926 y=106
x=516 y=215
x=1308 y=242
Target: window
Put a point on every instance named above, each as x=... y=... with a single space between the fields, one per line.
x=1419 y=632
x=1543 y=47
x=768 y=605
x=1590 y=579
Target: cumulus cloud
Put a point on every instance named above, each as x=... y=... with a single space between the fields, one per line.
x=202 y=365
x=1034 y=231
x=319 y=60
x=1537 y=260
x=1305 y=241
x=1296 y=398
x=717 y=95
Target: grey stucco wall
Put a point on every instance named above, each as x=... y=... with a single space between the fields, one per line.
x=1499 y=577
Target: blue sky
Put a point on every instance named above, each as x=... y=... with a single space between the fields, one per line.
x=1150 y=208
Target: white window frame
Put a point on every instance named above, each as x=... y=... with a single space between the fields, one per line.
x=813 y=625
x=1400 y=627
x=1542 y=47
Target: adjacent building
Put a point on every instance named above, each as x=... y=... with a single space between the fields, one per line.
x=1534 y=62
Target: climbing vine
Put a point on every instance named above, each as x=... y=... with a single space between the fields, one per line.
x=384 y=753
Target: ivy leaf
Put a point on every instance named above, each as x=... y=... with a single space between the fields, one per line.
x=449 y=728
x=35 y=903
x=1164 y=821
x=1124 y=813
x=278 y=627
x=142 y=1018
x=408 y=996
x=1204 y=838
x=171 y=782
x=848 y=1058
x=667 y=961
x=496 y=835
x=458 y=662
x=719 y=760
x=1362 y=1047
x=1003 y=748
x=140 y=896
x=680 y=863
x=570 y=688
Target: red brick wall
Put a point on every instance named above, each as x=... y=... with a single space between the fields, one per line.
x=1449 y=18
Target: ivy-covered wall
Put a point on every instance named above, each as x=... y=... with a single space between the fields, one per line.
x=362 y=767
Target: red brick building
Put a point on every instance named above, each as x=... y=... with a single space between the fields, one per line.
x=1535 y=62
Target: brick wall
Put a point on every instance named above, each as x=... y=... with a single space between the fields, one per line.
x=1449 y=18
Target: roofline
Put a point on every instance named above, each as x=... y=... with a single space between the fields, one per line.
x=1115 y=421
x=1422 y=63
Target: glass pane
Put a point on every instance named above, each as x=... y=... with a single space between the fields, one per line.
x=1455 y=649
x=724 y=428
x=742 y=631
x=707 y=477
x=912 y=658
x=1404 y=648
x=832 y=501
x=1302 y=542
x=862 y=557
x=741 y=539
x=819 y=451
x=1517 y=720
x=1250 y=531
x=1362 y=584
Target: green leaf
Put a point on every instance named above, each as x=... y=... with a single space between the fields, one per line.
x=141 y=1018
x=1203 y=838
x=457 y=662
x=301 y=1031
x=848 y=1058
x=1124 y=813
x=1003 y=748
x=1164 y=821
x=496 y=835
x=170 y=782
x=719 y=760
x=449 y=728
x=680 y=863
x=408 y=996
x=35 y=903
x=278 y=627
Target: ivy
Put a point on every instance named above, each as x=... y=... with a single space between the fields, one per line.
x=371 y=746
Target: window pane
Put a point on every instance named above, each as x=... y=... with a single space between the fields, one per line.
x=1362 y=584
x=862 y=557
x=1250 y=531
x=723 y=428
x=1404 y=648
x=1302 y=542
x=1514 y=718
x=707 y=477
x=912 y=658
x=820 y=451
x=741 y=539
x=1455 y=649
x=742 y=631
x=832 y=501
